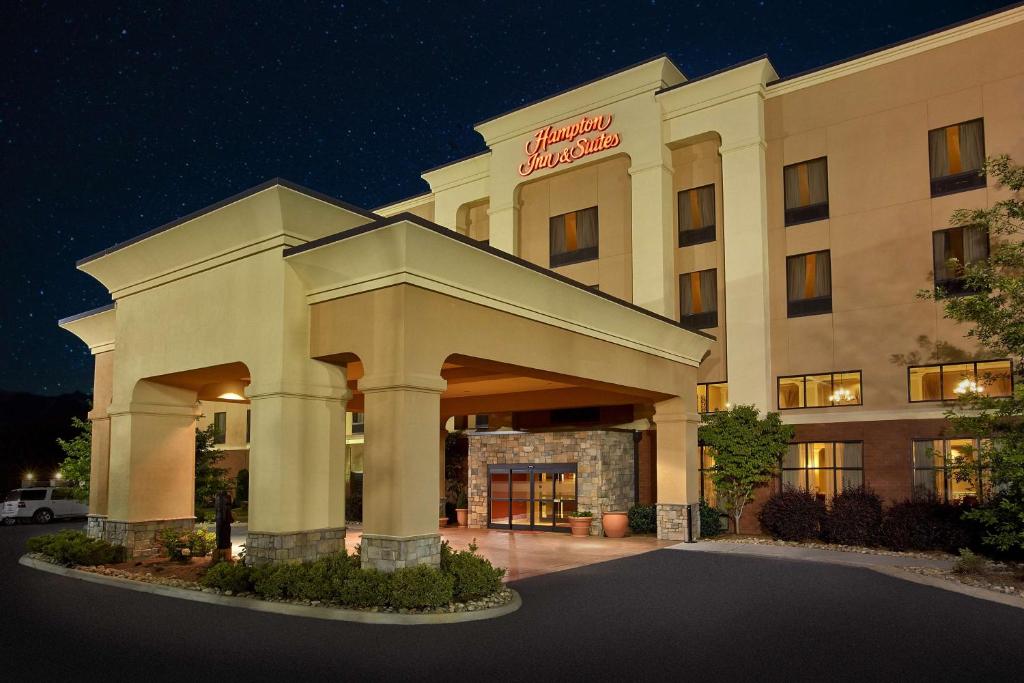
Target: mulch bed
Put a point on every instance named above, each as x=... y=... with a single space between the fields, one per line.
x=164 y=567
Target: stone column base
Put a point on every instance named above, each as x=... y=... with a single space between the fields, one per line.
x=388 y=553
x=138 y=538
x=265 y=547
x=674 y=521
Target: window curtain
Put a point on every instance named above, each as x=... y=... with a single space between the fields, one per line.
x=817 y=181
x=586 y=228
x=796 y=275
x=558 y=235
x=975 y=244
x=806 y=184
x=938 y=155
x=696 y=208
x=972 y=146
x=823 y=274
x=791 y=180
x=708 y=291
x=941 y=254
x=686 y=299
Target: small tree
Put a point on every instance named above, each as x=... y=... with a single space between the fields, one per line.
x=77 y=463
x=747 y=451
x=210 y=479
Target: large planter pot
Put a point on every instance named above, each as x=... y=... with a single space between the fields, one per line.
x=615 y=524
x=580 y=526
x=461 y=516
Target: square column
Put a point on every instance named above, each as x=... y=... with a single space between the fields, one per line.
x=504 y=227
x=653 y=238
x=401 y=477
x=678 y=501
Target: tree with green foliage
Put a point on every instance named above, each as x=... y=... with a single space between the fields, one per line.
x=994 y=310
x=210 y=479
x=77 y=463
x=747 y=451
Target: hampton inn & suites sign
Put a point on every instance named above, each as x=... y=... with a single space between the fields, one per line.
x=586 y=136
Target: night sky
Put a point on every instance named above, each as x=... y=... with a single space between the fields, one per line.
x=117 y=117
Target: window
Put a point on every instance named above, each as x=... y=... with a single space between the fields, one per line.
x=62 y=494
x=967 y=245
x=938 y=469
x=820 y=391
x=698 y=299
x=707 y=486
x=696 y=210
x=220 y=424
x=806 y=190
x=950 y=381
x=955 y=157
x=809 y=284
x=712 y=397
x=575 y=416
x=34 y=494
x=358 y=423
x=824 y=468
x=481 y=423
x=574 y=237
x=248 y=425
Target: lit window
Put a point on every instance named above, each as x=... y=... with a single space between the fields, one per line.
x=707 y=486
x=950 y=381
x=823 y=468
x=965 y=245
x=809 y=284
x=939 y=469
x=955 y=156
x=712 y=397
x=698 y=299
x=696 y=210
x=820 y=391
x=806 y=190
x=220 y=427
x=574 y=237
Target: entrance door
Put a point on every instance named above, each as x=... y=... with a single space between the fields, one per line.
x=531 y=497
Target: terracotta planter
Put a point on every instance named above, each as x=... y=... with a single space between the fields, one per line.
x=615 y=524
x=461 y=515
x=580 y=526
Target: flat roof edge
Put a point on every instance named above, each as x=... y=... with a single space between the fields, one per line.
x=86 y=314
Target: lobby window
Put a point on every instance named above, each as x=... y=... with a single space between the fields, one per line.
x=809 y=284
x=712 y=397
x=698 y=299
x=707 y=486
x=965 y=244
x=696 y=209
x=939 y=469
x=955 y=157
x=820 y=391
x=574 y=237
x=823 y=468
x=248 y=425
x=481 y=423
x=220 y=427
x=358 y=423
x=806 y=190
x=950 y=381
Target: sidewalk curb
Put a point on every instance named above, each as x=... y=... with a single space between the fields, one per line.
x=257 y=605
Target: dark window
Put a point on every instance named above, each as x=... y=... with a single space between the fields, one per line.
x=806 y=189
x=698 y=299
x=939 y=466
x=950 y=381
x=956 y=155
x=358 y=423
x=574 y=237
x=481 y=423
x=220 y=427
x=952 y=250
x=696 y=211
x=34 y=494
x=248 y=425
x=824 y=468
x=820 y=391
x=809 y=284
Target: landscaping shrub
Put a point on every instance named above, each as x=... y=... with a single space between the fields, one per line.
x=70 y=547
x=322 y=579
x=643 y=519
x=793 y=515
x=420 y=586
x=969 y=563
x=473 y=576
x=277 y=581
x=926 y=523
x=366 y=588
x=855 y=518
x=228 y=576
x=182 y=544
x=710 y=520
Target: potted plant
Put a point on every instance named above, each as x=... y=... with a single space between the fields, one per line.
x=615 y=524
x=579 y=522
x=462 y=508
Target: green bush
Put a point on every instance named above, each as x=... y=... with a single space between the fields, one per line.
x=228 y=576
x=182 y=544
x=70 y=547
x=710 y=520
x=474 y=576
x=366 y=588
x=420 y=586
x=969 y=563
x=643 y=519
x=321 y=580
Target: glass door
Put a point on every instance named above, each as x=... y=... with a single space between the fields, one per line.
x=519 y=502
x=537 y=497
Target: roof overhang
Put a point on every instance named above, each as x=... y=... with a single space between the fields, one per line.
x=96 y=328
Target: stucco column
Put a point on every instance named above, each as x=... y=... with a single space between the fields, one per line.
x=653 y=237
x=441 y=492
x=747 y=313
x=504 y=227
x=297 y=472
x=99 y=470
x=678 y=507
x=400 y=470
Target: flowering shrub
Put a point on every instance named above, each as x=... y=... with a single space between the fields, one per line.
x=182 y=545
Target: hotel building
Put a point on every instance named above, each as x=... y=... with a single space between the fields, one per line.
x=622 y=256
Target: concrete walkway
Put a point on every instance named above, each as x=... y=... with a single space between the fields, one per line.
x=783 y=552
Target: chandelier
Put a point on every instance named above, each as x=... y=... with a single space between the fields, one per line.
x=842 y=395
x=968 y=386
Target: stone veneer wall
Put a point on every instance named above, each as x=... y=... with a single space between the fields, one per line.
x=263 y=547
x=674 y=521
x=138 y=538
x=604 y=466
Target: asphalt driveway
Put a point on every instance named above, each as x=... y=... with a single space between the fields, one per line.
x=653 y=616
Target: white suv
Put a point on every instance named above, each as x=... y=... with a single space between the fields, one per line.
x=41 y=504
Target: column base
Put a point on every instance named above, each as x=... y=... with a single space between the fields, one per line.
x=139 y=539
x=266 y=547
x=674 y=521
x=388 y=553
